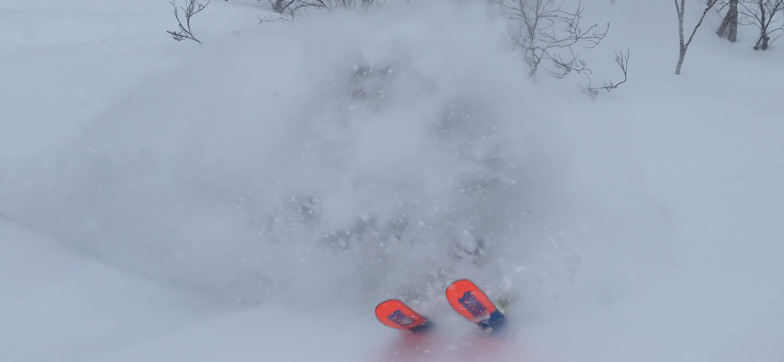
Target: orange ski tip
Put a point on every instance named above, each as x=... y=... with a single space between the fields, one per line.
x=396 y=314
x=469 y=301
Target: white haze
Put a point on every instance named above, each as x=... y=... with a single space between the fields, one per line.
x=255 y=197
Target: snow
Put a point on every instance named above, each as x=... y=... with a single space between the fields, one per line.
x=254 y=197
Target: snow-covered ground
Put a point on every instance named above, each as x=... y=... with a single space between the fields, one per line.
x=254 y=197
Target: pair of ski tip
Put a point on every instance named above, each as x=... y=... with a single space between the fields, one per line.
x=463 y=295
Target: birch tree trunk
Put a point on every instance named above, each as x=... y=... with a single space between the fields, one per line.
x=729 y=26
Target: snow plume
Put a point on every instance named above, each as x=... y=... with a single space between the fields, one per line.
x=368 y=154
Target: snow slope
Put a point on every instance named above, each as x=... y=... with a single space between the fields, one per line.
x=256 y=196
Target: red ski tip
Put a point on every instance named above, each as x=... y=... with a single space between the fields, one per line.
x=468 y=300
x=396 y=314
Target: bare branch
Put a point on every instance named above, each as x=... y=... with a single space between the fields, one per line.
x=291 y=7
x=705 y=12
x=269 y=18
x=192 y=8
x=680 y=8
x=622 y=59
x=543 y=30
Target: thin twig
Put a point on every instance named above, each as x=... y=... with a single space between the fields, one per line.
x=193 y=8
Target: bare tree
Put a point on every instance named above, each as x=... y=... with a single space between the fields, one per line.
x=762 y=13
x=544 y=31
x=729 y=26
x=191 y=8
x=680 y=7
